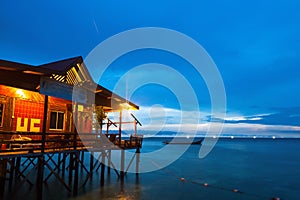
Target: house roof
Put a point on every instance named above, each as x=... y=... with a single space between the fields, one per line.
x=62 y=65
x=68 y=72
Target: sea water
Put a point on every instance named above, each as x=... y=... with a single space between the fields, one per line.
x=246 y=169
x=235 y=169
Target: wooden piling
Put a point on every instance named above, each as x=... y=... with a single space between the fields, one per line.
x=102 y=168
x=122 y=172
x=58 y=162
x=71 y=163
x=11 y=174
x=137 y=161
x=40 y=177
x=91 y=164
x=76 y=166
x=17 y=168
x=108 y=161
x=82 y=159
x=3 y=166
x=63 y=164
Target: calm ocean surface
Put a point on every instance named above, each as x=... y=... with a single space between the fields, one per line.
x=258 y=168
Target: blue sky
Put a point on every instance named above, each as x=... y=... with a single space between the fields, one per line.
x=255 y=45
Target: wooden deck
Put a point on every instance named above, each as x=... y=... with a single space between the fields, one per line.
x=65 y=142
x=62 y=154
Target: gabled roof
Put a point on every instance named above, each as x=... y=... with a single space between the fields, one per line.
x=70 y=72
x=13 y=65
x=62 y=66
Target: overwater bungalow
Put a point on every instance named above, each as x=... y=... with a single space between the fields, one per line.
x=57 y=108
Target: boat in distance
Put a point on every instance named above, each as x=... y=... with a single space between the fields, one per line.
x=183 y=142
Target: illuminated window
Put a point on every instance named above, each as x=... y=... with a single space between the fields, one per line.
x=57 y=120
x=1 y=113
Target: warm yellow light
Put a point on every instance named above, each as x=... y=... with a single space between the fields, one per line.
x=21 y=93
x=76 y=74
x=8 y=68
x=32 y=72
x=117 y=99
x=127 y=106
x=80 y=108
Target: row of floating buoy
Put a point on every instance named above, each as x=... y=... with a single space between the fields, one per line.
x=233 y=190
x=232 y=137
x=254 y=137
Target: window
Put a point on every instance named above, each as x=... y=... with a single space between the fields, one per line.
x=57 y=120
x=1 y=113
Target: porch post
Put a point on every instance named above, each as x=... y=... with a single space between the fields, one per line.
x=40 y=177
x=120 y=127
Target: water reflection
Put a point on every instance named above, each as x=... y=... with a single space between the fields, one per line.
x=114 y=188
